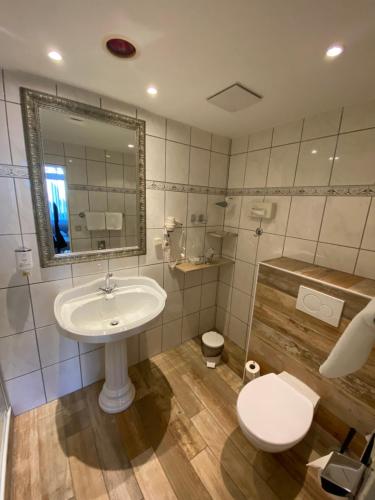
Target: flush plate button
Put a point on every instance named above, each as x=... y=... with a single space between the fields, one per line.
x=320 y=305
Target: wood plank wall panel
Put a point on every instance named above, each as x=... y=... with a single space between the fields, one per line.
x=283 y=338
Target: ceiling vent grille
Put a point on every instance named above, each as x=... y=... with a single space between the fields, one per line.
x=234 y=98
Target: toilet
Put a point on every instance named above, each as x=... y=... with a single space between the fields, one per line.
x=275 y=412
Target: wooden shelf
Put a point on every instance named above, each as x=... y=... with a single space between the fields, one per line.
x=188 y=267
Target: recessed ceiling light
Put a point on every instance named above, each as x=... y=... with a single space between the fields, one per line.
x=314 y=151
x=130 y=146
x=107 y=156
x=55 y=56
x=152 y=90
x=334 y=51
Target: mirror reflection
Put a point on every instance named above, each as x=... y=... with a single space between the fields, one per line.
x=90 y=182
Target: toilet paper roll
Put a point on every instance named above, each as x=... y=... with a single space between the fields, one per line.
x=252 y=370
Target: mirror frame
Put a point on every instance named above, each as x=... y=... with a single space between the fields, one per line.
x=31 y=103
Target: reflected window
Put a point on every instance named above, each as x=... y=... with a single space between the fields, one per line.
x=55 y=176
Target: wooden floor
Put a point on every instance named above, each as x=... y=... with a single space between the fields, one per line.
x=180 y=439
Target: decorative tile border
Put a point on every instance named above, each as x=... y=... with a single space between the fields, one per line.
x=304 y=191
x=102 y=189
x=184 y=188
x=22 y=172
x=14 y=171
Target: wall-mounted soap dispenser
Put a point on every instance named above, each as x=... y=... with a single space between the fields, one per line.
x=262 y=209
x=24 y=260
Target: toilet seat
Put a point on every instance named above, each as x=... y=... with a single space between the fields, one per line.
x=272 y=414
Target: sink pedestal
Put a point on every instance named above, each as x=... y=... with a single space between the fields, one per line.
x=118 y=390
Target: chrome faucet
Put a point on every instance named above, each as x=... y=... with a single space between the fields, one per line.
x=107 y=288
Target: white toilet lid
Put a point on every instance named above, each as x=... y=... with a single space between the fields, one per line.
x=273 y=411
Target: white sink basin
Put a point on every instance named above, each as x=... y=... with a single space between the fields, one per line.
x=88 y=314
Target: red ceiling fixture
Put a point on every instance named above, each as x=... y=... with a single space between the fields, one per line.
x=120 y=48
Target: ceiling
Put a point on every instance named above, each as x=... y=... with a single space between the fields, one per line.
x=191 y=49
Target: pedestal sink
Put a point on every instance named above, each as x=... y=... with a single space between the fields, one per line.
x=90 y=313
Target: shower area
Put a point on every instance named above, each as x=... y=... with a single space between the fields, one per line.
x=5 y=412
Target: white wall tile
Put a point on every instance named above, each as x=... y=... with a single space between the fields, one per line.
x=355 y=159
x=155 y=158
x=154 y=253
x=155 y=208
x=62 y=378
x=200 y=138
x=218 y=170
x=229 y=245
x=315 y=162
x=18 y=355
x=155 y=271
x=53 y=346
x=220 y=144
x=237 y=168
x=92 y=366
x=270 y=247
x=123 y=263
x=239 y=145
x=17 y=143
x=285 y=134
x=177 y=163
x=173 y=306
x=190 y=326
x=4 y=138
x=344 y=220
x=243 y=276
x=257 y=168
x=358 y=116
x=15 y=310
x=222 y=321
x=199 y=166
x=177 y=131
x=207 y=319
x=224 y=294
x=133 y=350
x=76 y=94
x=192 y=300
x=94 y=267
x=368 y=241
x=173 y=279
x=210 y=274
x=336 y=257
x=260 y=140
x=282 y=166
x=26 y=392
x=305 y=208
x=155 y=124
x=298 y=249
x=25 y=205
x=172 y=334
x=233 y=212
x=43 y=296
x=193 y=278
x=322 y=124
x=237 y=332
x=150 y=343
x=366 y=264
x=9 y=223
x=246 y=246
x=208 y=298
x=240 y=306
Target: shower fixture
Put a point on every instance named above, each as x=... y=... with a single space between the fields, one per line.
x=224 y=203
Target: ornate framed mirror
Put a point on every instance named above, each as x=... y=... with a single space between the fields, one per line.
x=87 y=174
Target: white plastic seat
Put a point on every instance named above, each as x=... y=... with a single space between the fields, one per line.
x=273 y=414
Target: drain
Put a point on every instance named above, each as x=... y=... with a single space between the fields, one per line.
x=115 y=322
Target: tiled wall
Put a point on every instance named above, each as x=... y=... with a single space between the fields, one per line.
x=320 y=172
x=111 y=173
x=37 y=363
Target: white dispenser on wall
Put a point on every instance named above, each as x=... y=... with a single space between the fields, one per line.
x=24 y=260
x=262 y=209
